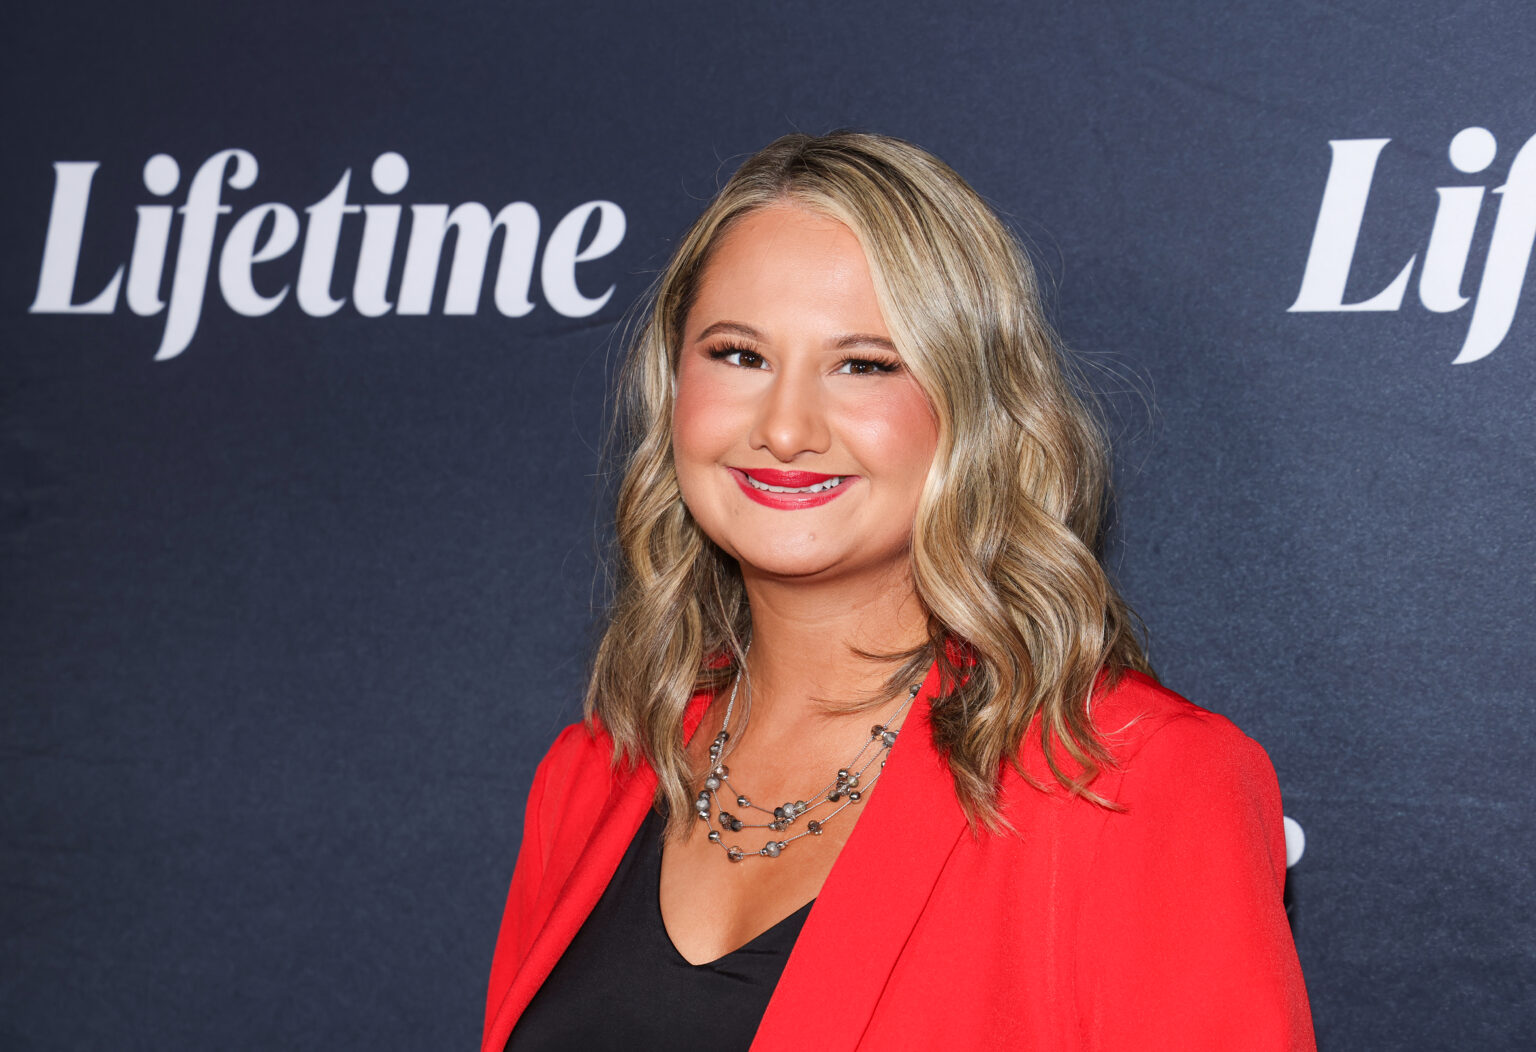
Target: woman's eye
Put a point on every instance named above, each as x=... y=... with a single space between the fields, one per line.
x=866 y=366
x=738 y=356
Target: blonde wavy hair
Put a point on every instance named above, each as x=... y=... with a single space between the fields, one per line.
x=1022 y=617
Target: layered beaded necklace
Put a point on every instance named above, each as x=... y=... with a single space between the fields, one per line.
x=846 y=789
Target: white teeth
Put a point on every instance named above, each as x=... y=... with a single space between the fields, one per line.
x=820 y=487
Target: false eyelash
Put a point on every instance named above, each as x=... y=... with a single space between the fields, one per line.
x=885 y=365
x=726 y=350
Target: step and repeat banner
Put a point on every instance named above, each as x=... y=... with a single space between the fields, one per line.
x=308 y=318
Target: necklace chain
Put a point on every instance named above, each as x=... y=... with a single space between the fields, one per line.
x=845 y=790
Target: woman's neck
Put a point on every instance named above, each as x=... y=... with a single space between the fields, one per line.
x=806 y=639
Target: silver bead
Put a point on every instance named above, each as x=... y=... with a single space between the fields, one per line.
x=813 y=828
x=799 y=807
x=772 y=848
x=855 y=796
x=851 y=783
x=734 y=853
x=876 y=731
x=711 y=783
x=714 y=836
x=742 y=801
x=888 y=737
x=842 y=774
x=721 y=770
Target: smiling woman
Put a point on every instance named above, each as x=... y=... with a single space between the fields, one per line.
x=946 y=805
x=791 y=394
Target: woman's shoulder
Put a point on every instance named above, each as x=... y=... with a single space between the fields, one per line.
x=1139 y=718
x=578 y=746
x=586 y=750
x=576 y=771
x=1157 y=743
x=575 y=740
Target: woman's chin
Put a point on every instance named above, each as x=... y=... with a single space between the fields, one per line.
x=807 y=566
x=784 y=561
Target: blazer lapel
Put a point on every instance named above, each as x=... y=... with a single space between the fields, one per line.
x=871 y=900
x=568 y=904
x=613 y=829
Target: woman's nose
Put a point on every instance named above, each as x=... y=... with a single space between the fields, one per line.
x=790 y=419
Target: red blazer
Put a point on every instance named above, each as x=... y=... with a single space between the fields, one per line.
x=1158 y=927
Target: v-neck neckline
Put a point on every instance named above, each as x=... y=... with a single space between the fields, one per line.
x=652 y=828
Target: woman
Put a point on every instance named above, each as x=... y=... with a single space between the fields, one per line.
x=867 y=676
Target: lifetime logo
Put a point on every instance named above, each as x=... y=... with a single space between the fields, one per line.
x=1450 y=240
x=245 y=247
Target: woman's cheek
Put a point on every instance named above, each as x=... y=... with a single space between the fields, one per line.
x=897 y=432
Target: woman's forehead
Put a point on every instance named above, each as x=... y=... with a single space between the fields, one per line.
x=785 y=267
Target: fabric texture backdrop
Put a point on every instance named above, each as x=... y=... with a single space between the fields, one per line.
x=287 y=618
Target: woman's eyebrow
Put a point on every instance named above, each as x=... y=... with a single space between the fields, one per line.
x=733 y=327
x=864 y=339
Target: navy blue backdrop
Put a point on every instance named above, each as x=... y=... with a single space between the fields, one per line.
x=294 y=592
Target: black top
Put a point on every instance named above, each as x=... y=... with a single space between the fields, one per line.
x=622 y=985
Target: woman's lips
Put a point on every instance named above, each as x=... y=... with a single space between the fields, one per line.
x=790 y=490
x=786 y=479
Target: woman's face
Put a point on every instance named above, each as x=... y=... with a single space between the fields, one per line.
x=800 y=439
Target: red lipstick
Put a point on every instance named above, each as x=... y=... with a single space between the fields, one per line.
x=790 y=490
x=791 y=479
